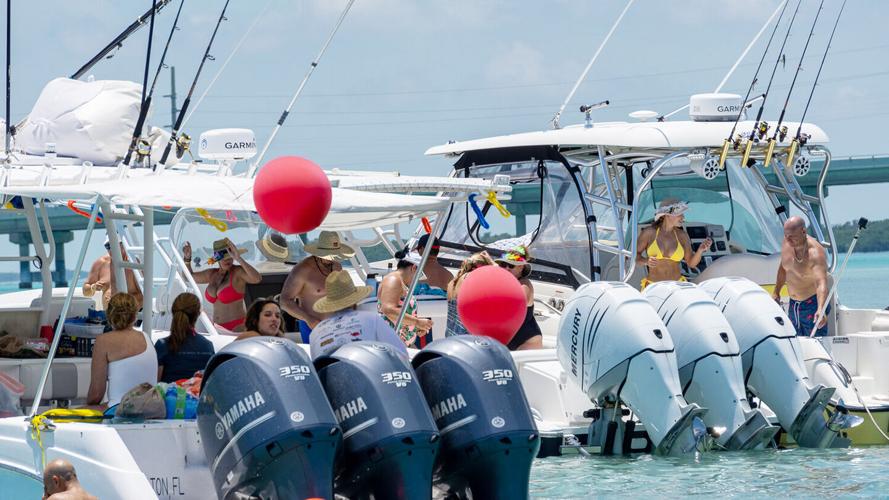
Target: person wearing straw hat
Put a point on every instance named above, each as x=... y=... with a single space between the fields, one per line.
x=305 y=284
x=226 y=284
x=664 y=244
x=518 y=262
x=102 y=279
x=344 y=323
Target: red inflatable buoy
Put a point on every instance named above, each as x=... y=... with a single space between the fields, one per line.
x=491 y=302
x=292 y=194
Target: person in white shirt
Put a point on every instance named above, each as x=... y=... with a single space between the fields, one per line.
x=345 y=322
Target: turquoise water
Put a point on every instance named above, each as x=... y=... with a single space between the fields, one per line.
x=857 y=472
x=14 y=486
x=866 y=281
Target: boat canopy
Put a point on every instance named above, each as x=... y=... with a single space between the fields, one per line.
x=350 y=209
x=641 y=135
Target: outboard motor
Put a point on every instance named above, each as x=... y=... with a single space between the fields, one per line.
x=389 y=438
x=773 y=365
x=267 y=428
x=710 y=364
x=617 y=349
x=489 y=439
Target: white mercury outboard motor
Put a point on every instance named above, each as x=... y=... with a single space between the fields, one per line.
x=614 y=345
x=710 y=364
x=773 y=365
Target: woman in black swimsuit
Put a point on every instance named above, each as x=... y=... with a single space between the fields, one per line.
x=516 y=261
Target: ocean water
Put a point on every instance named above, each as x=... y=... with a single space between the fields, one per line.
x=864 y=284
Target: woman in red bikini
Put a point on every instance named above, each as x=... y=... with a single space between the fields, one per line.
x=225 y=284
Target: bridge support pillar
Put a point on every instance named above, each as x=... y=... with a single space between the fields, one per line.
x=26 y=275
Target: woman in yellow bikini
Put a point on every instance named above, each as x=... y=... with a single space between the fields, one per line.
x=664 y=244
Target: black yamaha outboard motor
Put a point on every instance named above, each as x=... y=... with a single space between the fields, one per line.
x=489 y=439
x=267 y=428
x=389 y=438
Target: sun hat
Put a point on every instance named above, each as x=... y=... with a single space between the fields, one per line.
x=274 y=247
x=670 y=206
x=329 y=245
x=222 y=245
x=517 y=256
x=341 y=293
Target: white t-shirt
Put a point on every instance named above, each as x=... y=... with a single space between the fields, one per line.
x=351 y=325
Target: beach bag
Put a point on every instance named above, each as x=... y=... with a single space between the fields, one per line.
x=143 y=401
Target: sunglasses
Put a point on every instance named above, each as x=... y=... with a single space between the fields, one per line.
x=219 y=255
x=506 y=265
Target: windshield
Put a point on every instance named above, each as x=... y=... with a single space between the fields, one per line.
x=736 y=202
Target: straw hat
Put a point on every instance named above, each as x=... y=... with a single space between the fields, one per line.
x=341 y=293
x=517 y=256
x=274 y=247
x=670 y=206
x=220 y=245
x=329 y=245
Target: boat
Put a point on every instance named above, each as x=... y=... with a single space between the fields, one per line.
x=581 y=195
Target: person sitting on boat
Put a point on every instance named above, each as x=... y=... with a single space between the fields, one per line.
x=517 y=262
x=305 y=283
x=664 y=244
x=344 y=322
x=184 y=352
x=415 y=331
x=437 y=275
x=122 y=358
x=263 y=320
x=101 y=279
x=226 y=284
x=803 y=269
x=473 y=262
x=60 y=482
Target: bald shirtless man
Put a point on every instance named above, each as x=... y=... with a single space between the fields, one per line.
x=60 y=482
x=305 y=284
x=101 y=279
x=804 y=269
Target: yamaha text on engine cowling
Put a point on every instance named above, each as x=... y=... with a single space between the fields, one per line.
x=615 y=347
x=488 y=436
x=389 y=438
x=267 y=428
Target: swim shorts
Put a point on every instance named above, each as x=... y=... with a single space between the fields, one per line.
x=802 y=315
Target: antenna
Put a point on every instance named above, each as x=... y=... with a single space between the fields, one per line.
x=555 y=120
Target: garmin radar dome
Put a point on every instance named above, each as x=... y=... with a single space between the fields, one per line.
x=227 y=144
x=266 y=425
x=292 y=194
x=714 y=107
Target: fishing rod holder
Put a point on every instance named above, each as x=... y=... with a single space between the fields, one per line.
x=587 y=110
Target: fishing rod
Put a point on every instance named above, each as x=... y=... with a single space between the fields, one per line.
x=728 y=140
x=252 y=170
x=770 y=150
x=555 y=119
x=119 y=39
x=8 y=74
x=799 y=139
x=146 y=102
x=174 y=139
x=763 y=128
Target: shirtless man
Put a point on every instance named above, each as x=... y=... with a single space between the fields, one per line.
x=804 y=269
x=436 y=274
x=305 y=284
x=101 y=279
x=60 y=482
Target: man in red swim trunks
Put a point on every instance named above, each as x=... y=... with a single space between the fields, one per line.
x=803 y=268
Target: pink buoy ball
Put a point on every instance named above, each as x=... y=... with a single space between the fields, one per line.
x=292 y=194
x=491 y=302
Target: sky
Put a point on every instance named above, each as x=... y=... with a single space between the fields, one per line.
x=401 y=76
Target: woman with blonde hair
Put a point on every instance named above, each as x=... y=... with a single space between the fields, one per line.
x=664 y=245
x=471 y=263
x=184 y=352
x=122 y=358
x=518 y=262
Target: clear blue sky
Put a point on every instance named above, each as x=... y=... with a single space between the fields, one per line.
x=402 y=76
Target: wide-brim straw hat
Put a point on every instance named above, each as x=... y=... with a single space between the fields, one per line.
x=274 y=247
x=341 y=293
x=329 y=245
x=222 y=244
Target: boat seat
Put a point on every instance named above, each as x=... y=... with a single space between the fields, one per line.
x=69 y=378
